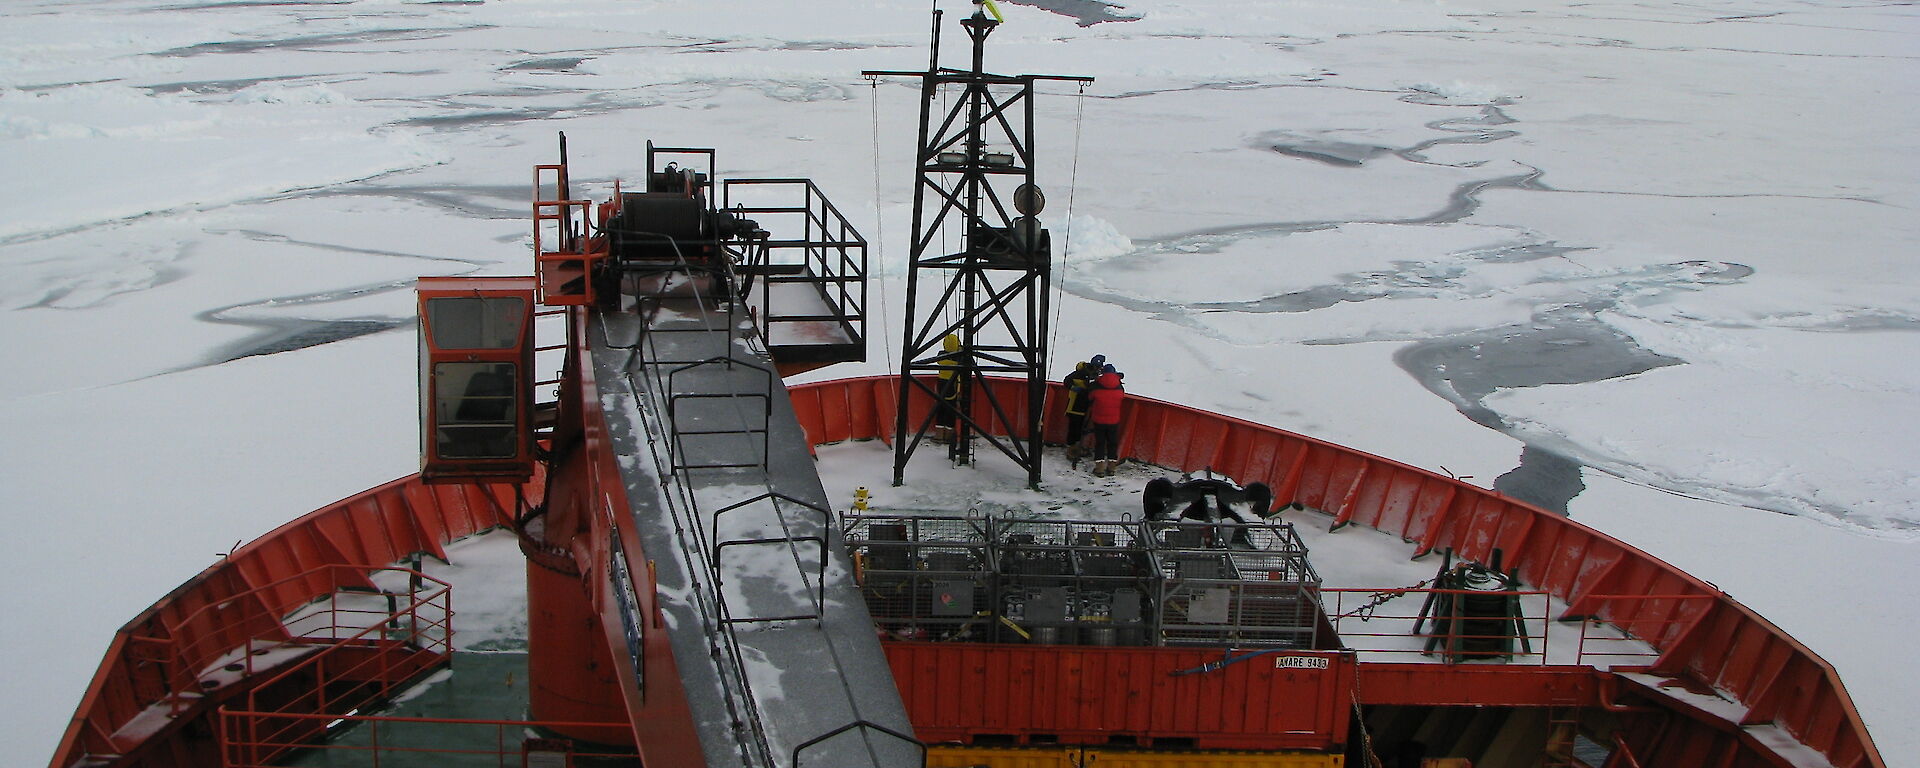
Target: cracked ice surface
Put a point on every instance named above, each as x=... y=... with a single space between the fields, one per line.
x=1665 y=244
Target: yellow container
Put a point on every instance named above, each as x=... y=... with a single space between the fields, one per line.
x=1100 y=757
x=1000 y=757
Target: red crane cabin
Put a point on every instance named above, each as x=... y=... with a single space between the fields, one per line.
x=476 y=383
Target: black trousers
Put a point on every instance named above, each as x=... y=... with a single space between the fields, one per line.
x=1106 y=441
x=948 y=410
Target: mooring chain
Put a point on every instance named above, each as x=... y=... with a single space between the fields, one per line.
x=1380 y=598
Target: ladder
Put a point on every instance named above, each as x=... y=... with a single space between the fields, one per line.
x=1563 y=726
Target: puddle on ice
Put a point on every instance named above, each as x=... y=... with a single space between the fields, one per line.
x=1086 y=13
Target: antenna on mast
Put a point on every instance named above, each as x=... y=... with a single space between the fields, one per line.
x=982 y=373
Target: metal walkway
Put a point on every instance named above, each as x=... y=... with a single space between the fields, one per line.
x=773 y=642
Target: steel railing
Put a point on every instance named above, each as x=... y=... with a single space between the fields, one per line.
x=1382 y=624
x=250 y=637
x=1385 y=625
x=831 y=255
x=1636 y=627
x=379 y=740
x=360 y=663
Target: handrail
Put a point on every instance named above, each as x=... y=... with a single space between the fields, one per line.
x=817 y=589
x=504 y=749
x=1533 y=647
x=372 y=679
x=569 y=229
x=826 y=232
x=675 y=398
x=1595 y=645
x=1637 y=628
x=191 y=665
x=859 y=725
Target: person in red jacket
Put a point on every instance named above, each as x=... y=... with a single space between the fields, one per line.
x=1077 y=385
x=1104 y=411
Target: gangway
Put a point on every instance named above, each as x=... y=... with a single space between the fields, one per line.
x=725 y=503
x=706 y=571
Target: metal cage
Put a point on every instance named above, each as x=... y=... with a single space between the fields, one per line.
x=1073 y=582
x=1246 y=586
x=925 y=578
x=1088 y=582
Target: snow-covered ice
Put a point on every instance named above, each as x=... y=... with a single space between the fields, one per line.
x=1666 y=243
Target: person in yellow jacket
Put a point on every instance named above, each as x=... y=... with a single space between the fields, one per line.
x=949 y=406
x=1078 y=384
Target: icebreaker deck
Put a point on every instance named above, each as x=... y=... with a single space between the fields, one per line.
x=692 y=601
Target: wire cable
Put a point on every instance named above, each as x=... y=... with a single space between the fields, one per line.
x=946 y=103
x=1066 y=247
x=880 y=230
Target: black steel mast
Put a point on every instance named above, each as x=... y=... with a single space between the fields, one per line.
x=995 y=292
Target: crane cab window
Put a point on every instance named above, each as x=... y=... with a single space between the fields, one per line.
x=478 y=410
x=476 y=322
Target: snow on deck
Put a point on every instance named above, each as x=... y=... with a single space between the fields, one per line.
x=801 y=299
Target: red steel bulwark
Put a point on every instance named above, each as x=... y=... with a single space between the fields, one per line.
x=1085 y=695
x=243 y=596
x=1700 y=632
x=1480 y=685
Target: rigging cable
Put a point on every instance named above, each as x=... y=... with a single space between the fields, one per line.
x=880 y=230
x=1066 y=247
x=946 y=199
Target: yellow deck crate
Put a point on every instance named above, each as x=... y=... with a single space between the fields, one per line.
x=1100 y=757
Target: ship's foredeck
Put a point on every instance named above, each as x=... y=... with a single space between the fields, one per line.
x=1372 y=588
